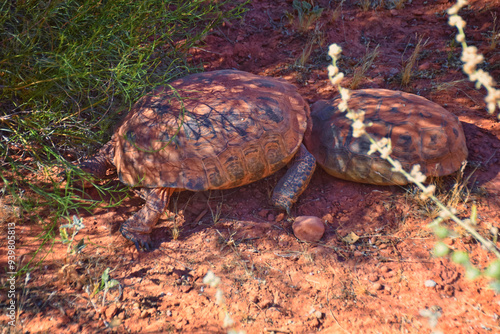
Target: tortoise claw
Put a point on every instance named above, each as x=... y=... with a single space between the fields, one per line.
x=141 y=241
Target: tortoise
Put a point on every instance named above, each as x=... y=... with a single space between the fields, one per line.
x=213 y=130
x=421 y=132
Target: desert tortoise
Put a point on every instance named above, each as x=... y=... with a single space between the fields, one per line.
x=421 y=132
x=214 y=130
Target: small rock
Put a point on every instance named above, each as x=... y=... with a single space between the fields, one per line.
x=315 y=322
x=253 y=298
x=328 y=217
x=424 y=67
x=373 y=277
x=185 y=288
x=449 y=290
x=388 y=274
x=308 y=228
x=385 y=252
x=265 y=303
x=111 y=311
x=430 y=283
x=318 y=314
x=377 y=286
x=263 y=213
x=384 y=269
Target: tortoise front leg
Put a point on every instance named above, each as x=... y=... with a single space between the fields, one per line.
x=295 y=180
x=138 y=228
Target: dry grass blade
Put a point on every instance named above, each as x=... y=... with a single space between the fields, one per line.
x=410 y=62
x=363 y=66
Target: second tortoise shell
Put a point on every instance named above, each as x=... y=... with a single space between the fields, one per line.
x=421 y=132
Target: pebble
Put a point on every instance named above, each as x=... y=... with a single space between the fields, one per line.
x=424 y=67
x=264 y=213
x=111 y=311
x=430 y=283
x=308 y=228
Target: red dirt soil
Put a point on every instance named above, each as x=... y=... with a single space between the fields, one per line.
x=385 y=282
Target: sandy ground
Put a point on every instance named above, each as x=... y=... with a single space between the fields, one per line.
x=385 y=282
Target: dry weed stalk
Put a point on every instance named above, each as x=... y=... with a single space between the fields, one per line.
x=410 y=62
x=471 y=59
x=363 y=66
x=495 y=34
x=336 y=13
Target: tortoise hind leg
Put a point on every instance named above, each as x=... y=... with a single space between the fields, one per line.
x=295 y=180
x=138 y=227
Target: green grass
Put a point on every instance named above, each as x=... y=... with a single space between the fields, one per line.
x=70 y=69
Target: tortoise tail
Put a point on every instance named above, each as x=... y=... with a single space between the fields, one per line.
x=99 y=163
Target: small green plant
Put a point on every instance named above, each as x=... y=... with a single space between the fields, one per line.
x=410 y=62
x=306 y=14
x=105 y=283
x=76 y=225
x=363 y=66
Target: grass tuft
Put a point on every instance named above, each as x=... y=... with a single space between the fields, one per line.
x=307 y=14
x=410 y=62
x=70 y=70
x=363 y=66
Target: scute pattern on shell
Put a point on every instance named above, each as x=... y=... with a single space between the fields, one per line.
x=213 y=130
x=421 y=132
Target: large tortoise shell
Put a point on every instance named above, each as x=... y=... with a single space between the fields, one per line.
x=213 y=130
x=421 y=132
